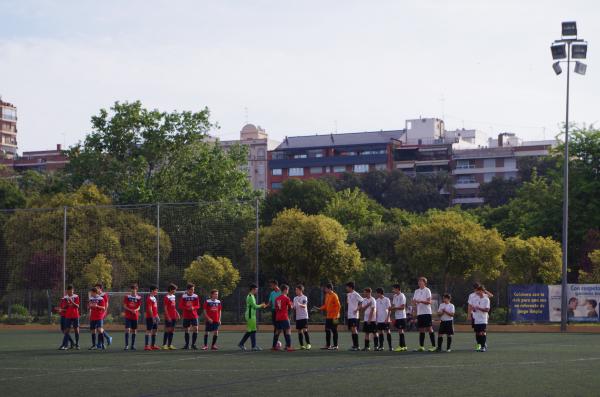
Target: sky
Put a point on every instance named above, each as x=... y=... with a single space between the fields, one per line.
x=295 y=67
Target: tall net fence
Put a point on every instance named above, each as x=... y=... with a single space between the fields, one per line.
x=43 y=250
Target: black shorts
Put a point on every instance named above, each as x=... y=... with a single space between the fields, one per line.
x=131 y=324
x=369 y=327
x=170 y=323
x=283 y=324
x=331 y=323
x=353 y=322
x=151 y=323
x=479 y=327
x=424 y=321
x=446 y=328
x=302 y=324
x=400 y=323
x=383 y=326
x=211 y=327
x=190 y=322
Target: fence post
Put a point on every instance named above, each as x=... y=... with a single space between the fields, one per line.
x=49 y=306
x=157 y=244
x=64 y=272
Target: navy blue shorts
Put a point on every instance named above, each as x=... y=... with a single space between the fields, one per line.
x=151 y=323
x=131 y=323
x=170 y=324
x=62 y=323
x=211 y=327
x=95 y=324
x=70 y=322
x=285 y=324
x=353 y=322
x=190 y=322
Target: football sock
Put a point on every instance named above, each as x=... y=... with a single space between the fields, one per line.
x=440 y=340
x=253 y=338
x=301 y=339
x=194 y=338
x=101 y=339
x=146 y=339
x=187 y=338
x=288 y=340
x=214 y=340
x=478 y=339
x=165 y=338
x=354 y=340
x=335 y=336
x=171 y=334
x=367 y=343
x=448 y=342
x=65 y=340
x=76 y=338
x=205 y=339
x=432 y=338
x=328 y=337
x=244 y=338
x=153 y=339
x=275 y=338
x=126 y=339
x=421 y=339
x=389 y=340
x=94 y=339
x=70 y=339
x=483 y=339
x=381 y=340
x=402 y=340
x=133 y=339
x=306 y=337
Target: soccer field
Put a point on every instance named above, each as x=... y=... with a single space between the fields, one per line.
x=516 y=364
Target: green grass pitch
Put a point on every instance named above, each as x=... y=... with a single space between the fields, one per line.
x=516 y=364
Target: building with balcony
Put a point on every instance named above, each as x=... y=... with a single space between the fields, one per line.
x=314 y=156
x=258 y=143
x=41 y=160
x=8 y=130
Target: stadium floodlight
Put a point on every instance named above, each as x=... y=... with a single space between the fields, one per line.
x=559 y=50
x=557 y=68
x=580 y=68
x=569 y=28
x=579 y=50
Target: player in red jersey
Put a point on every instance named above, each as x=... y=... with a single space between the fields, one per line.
x=282 y=320
x=171 y=317
x=69 y=312
x=131 y=306
x=97 y=309
x=189 y=303
x=151 y=319
x=212 y=314
x=104 y=296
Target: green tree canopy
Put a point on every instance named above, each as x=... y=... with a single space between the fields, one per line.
x=533 y=260
x=354 y=210
x=209 y=272
x=593 y=276
x=305 y=248
x=450 y=245
x=99 y=270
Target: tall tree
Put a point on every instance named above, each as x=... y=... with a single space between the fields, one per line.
x=533 y=260
x=354 y=210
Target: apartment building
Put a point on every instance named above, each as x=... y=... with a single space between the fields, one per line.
x=8 y=130
x=40 y=160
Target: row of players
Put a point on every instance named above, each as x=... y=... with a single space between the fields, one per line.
x=377 y=317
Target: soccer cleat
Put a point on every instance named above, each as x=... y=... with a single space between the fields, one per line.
x=77 y=347
x=194 y=347
x=477 y=348
x=147 y=348
x=439 y=349
x=214 y=347
x=333 y=348
x=126 y=348
x=399 y=349
x=132 y=348
x=256 y=349
x=109 y=340
x=449 y=351
x=420 y=349
x=274 y=349
x=390 y=349
x=155 y=348
x=366 y=349
x=204 y=347
x=432 y=349
x=308 y=346
x=325 y=347
x=482 y=350
x=102 y=347
x=62 y=348
x=302 y=347
x=242 y=347
x=353 y=349
x=171 y=347
x=186 y=347
x=93 y=347
x=290 y=349
x=165 y=347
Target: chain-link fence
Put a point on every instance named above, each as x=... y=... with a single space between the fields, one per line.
x=43 y=250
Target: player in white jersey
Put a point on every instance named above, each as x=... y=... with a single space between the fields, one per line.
x=481 y=310
x=353 y=301
x=369 y=308
x=383 y=305
x=300 y=307
x=472 y=297
x=446 y=311
x=399 y=310
x=422 y=299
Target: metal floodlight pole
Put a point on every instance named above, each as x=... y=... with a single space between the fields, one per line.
x=256 y=240
x=64 y=269
x=158 y=245
x=565 y=220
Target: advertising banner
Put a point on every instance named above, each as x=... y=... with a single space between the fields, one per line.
x=528 y=303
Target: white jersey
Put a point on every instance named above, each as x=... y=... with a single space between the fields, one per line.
x=383 y=309
x=353 y=300
x=478 y=316
x=449 y=307
x=471 y=299
x=422 y=294
x=370 y=310
x=301 y=312
x=397 y=301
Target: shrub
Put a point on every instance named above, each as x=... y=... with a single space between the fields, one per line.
x=18 y=310
x=460 y=316
x=498 y=315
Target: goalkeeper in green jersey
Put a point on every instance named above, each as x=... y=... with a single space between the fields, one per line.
x=250 y=315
